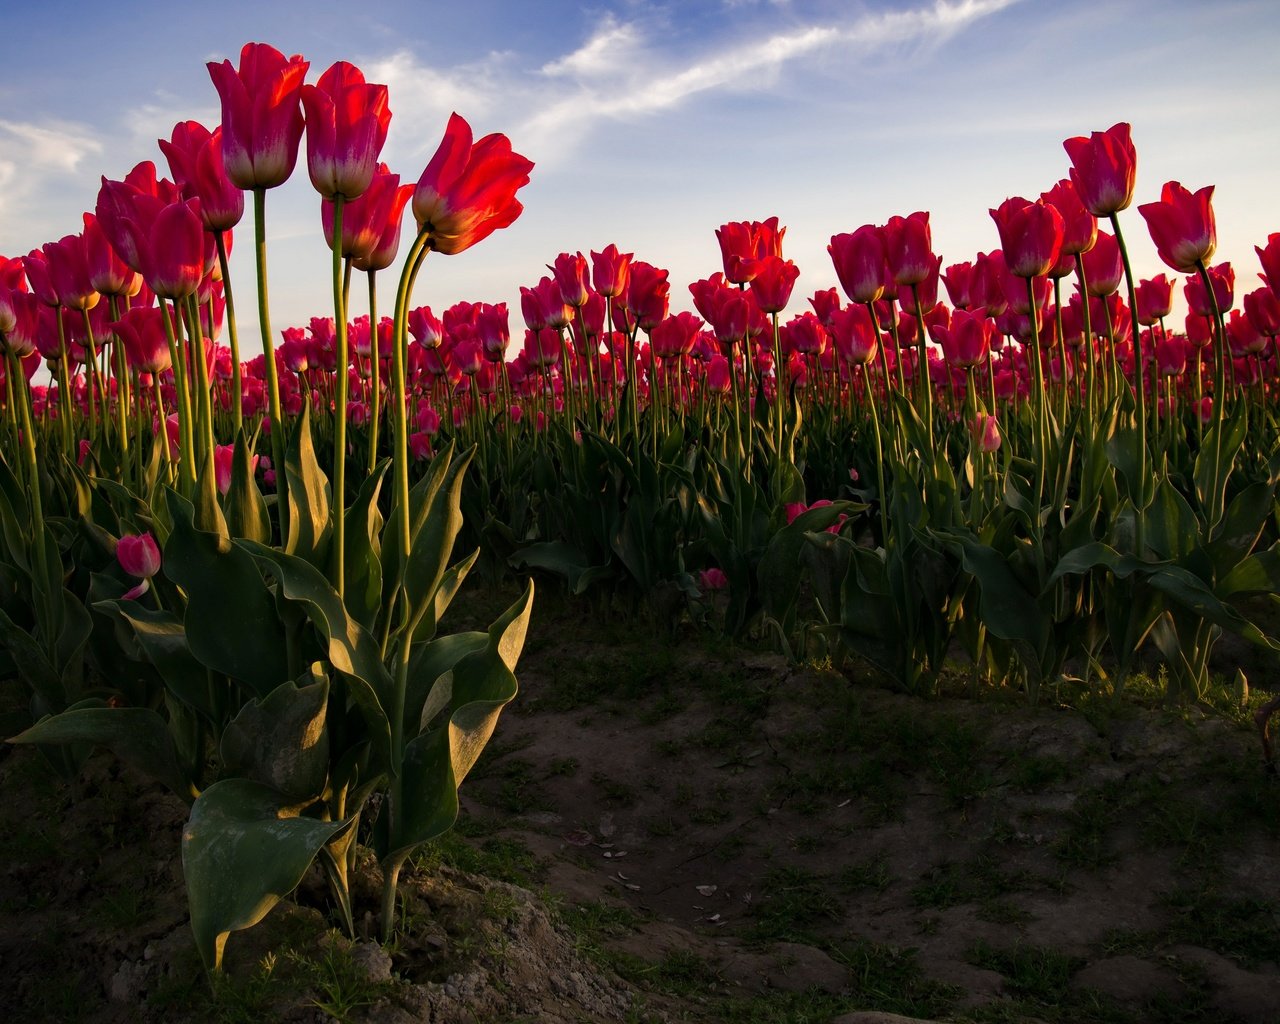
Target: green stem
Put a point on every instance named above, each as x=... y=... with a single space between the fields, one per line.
x=338 y=572
x=233 y=334
x=269 y=351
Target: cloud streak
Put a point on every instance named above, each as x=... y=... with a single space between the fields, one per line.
x=617 y=76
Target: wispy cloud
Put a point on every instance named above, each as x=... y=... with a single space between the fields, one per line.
x=619 y=73
x=53 y=145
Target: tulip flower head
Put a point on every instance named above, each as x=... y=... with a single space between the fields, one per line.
x=1103 y=168
x=468 y=191
x=139 y=556
x=1030 y=235
x=261 y=115
x=347 y=121
x=1182 y=226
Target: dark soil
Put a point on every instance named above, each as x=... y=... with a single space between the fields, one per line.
x=669 y=828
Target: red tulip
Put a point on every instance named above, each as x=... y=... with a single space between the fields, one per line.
x=854 y=335
x=825 y=304
x=370 y=224
x=68 y=267
x=261 y=115
x=1103 y=267
x=1171 y=355
x=675 y=336
x=1199 y=330
x=1223 y=278
x=138 y=555
x=20 y=322
x=957 y=279
x=741 y=241
x=195 y=161
x=173 y=250
x=1262 y=307
x=1182 y=226
x=1270 y=259
x=137 y=200
x=909 y=249
x=468 y=191
x=648 y=295
x=926 y=288
x=146 y=347
x=1079 y=226
x=860 y=263
x=1244 y=338
x=610 y=271
x=493 y=329
x=1103 y=168
x=1030 y=235
x=967 y=341
x=108 y=273
x=570 y=272
x=804 y=335
x=986 y=284
x=772 y=279
x=986 y=432
x=1155 y=299
x=347 y=121
x=543 y=306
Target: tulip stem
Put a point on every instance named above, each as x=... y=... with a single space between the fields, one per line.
x=269 y=352
x=340 y=423
x=1139 y=391
x=233 y=334
x=375 y=367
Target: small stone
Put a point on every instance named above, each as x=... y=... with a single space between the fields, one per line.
x=372 y=961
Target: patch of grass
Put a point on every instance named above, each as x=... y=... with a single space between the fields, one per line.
x=613 y=792
x=871 y=873
x=1085 y=842
x=1034 y=774
x=1031 y=972
x=889 y=979
x=1244 y=929
x=595 y=921
x=979 y=880
x=506 y=859
x=519 y=787
x=563 y=766
x=793 y=902
x=661 y=826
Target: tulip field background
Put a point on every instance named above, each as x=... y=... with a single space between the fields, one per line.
x=603 y=659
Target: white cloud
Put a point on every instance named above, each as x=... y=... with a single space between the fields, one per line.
x=618 y=74
x=54 y=145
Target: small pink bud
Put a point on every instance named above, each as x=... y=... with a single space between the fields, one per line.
x=138 y=555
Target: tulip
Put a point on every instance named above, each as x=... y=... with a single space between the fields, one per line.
x=468 y=191
x=570 y=270
x=909 y=249
x=1155 y=299
x=967 y=341
x=1223 y=279
x=1030 y=235
x=67 y=261
x=1270 y=260
x=957 y=278
x=825 y=304
x=145 y=345
x=108 y=273
x=1262 y=307
x=772 y=279
x=261 y=115
x=648 y=295
x=1182 y=226
x=347 y=121
x=1079 y=226
x=854 y=335
x=986 y=432
x=196 y=163
x=610 y=271
x=1103 y=266
x=860 y=263
x=493 y=330
x=1244 y=338
x=743 y=241
x=1103 y=168
x=675 y=336
x=139 y=556
x=173 y=251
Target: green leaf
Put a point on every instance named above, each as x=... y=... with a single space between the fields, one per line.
x=243 y=850
x=231 y=621
x=437 y=761
x=163 y=640
x=1245 y=519
x=208 y=515
x=33 y=664
x=427 y=663
x=564 y=560
x=448 y=589
x=308 y=489
x=281 y=740
x=437 y=522
x=362 y=557
x=246 y=509
x=1008 y=609
x=350 y=648
x=1257 y=574
x=1191 y=593
x=138 y=736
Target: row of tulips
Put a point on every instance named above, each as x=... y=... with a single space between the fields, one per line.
x=193 y=578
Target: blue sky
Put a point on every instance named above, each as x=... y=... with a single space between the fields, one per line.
x=653 y=123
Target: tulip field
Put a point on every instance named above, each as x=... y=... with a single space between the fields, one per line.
x=235 y=570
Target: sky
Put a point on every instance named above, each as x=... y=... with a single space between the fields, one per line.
x=652 y=123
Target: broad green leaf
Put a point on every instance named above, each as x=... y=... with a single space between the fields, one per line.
x=563 y=559
x=309 y=499
x=350 y=648
x=245 y=507
x=437 y=761
x=1257 y=574
x=427 y=663
x=438 y=522
x=362 y=571
x=444 y=595
x=138 y=736
x=163 y=639
x=231 y=621
x=207 y=515
x=281 y=740
x=243 y=850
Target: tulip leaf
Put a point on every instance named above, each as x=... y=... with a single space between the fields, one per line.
x=350 y=648
x=436 y=762
x=32 y=663
x=308 y=495
x=208 y=515
x=243 y=850
x=1257 y=574
x=564 y=560
x=138 y=736
x=448 y=589
x=436 y=526
x=281 y=740
x=245 y=507
x=231 y=621
x=362 y=569
x=163 y=640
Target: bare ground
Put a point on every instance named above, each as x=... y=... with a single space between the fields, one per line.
x=667 y=828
